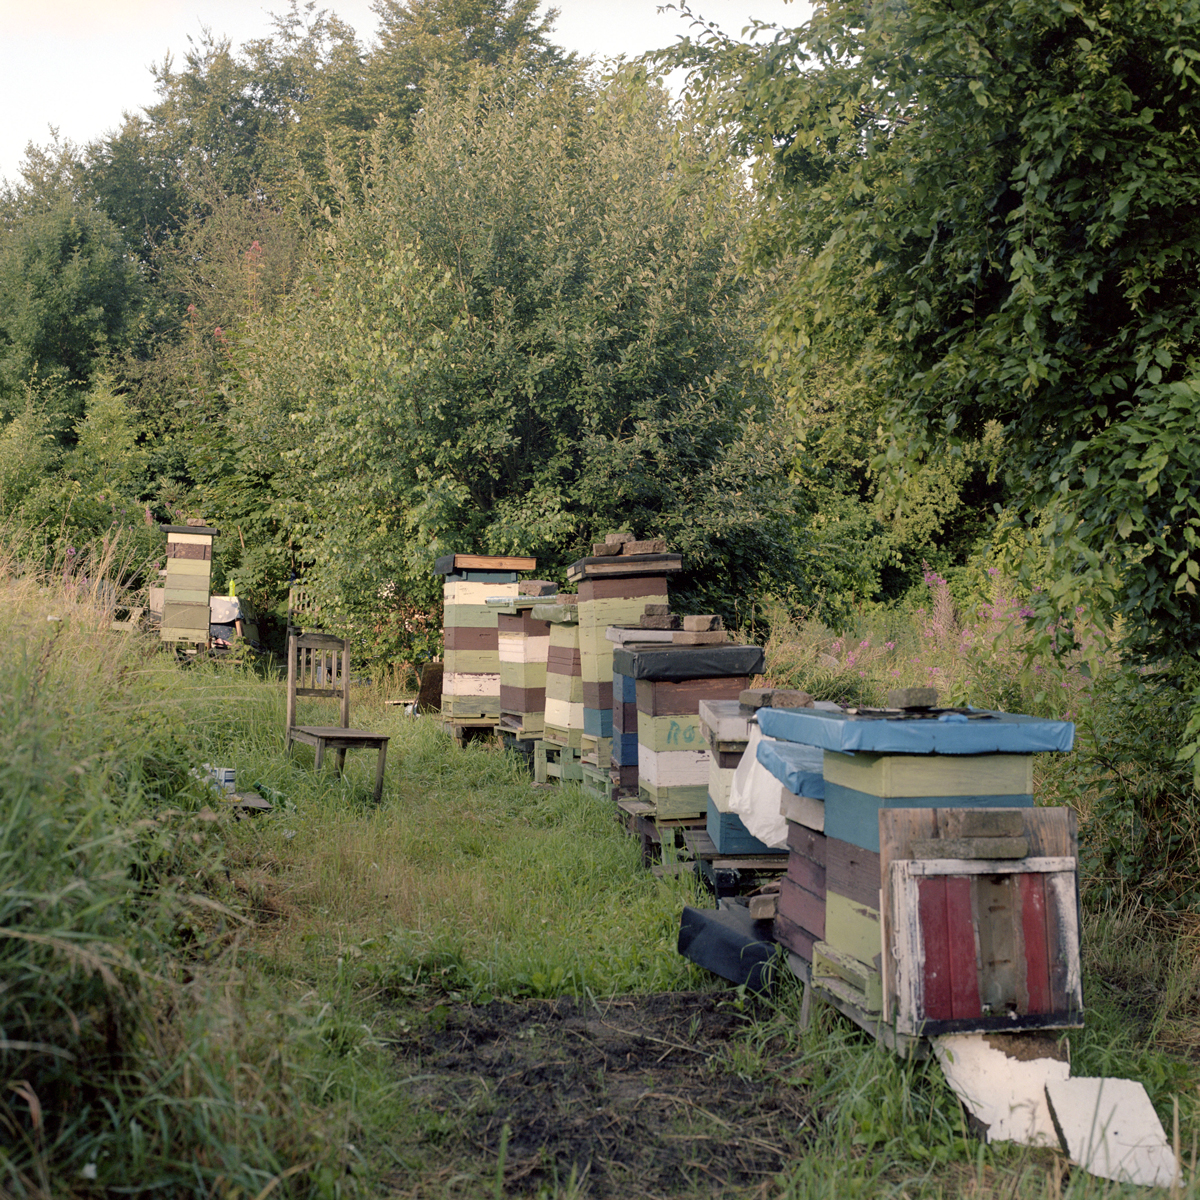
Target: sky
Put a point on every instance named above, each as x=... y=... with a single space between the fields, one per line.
x=79 y=64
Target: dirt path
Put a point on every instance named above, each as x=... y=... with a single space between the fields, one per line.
x=637 y=1096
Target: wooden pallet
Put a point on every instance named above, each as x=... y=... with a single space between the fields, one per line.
x=552 y=761
x=640 y=820
x=597 y=782
x=730 y=875
x=474 y=730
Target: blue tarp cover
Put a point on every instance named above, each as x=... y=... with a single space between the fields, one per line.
x=952 y=733
x=799 y=768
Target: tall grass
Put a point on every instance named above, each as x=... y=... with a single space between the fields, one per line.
x=124 y=1041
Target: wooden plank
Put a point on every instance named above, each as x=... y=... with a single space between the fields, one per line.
x=486 y=562
x=650 y=589
x=667 y=698
x=186 y=566
x=190 y=538
x=802 y=907
x=186 y=616
x=936 y=987
x=852 y=927
x=912 y=775
x=808 y=842
x=853 y=871
x=1033 y=929
x=198 y=552
x=963 y=921
x=794 y=937
x=671 y=733
x=470 y=637
x=808 y=874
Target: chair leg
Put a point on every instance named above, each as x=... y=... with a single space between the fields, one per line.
x=379 y=773
x=341 y=760
x=320 y=756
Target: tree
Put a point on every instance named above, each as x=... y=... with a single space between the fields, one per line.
x=528 y=328
x=992 y=208
x=420 y=39
x=69 y=295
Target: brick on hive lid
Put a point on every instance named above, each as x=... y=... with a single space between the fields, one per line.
x=197 y=523
x=752 y=699
x=649 y=546
x=567 y=598
x=604 y=550
x=657 y=610
x=615 y=540
x=707 y=637
x=536 y=587
x=913 y=697
x=703 y=624
x=659 y=621
x=790 y=699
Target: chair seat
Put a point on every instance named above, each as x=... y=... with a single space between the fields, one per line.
x=332 y=735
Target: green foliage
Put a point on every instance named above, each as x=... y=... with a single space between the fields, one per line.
x=525 y=331
x=990 y=213
x=69 y=295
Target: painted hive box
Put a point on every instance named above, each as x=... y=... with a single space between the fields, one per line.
x=670 y=683
x=523 y=647
x=950 y=901
x=471 y=658
x=187 y=583
x=564 y=681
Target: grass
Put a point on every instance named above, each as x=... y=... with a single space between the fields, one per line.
x=222 y=1000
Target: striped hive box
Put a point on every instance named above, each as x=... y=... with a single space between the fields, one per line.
x=564 y=682
x=524 y=646
x=605 y=602
x=471 y=679
x=187 y=583
x=726 y=728
x=671 y=681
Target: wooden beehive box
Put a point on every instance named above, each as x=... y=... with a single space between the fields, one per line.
x=187 y=584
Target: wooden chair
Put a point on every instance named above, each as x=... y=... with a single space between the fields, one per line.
x=319 y=665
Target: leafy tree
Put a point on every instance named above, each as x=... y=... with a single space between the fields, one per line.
x=69 y=295
x=528 y=328
x=992 y=213
x=419 y=39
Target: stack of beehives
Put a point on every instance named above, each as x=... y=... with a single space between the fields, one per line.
x=978 y=910
x=564 y=683
x=524 y=645
x=615 y=585
x=187 y=584
x=471 y=679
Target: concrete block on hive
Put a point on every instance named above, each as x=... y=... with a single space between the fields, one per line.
x=913 y=697
x=536 y=587
x=603 y=550
x=649 y=546
x=615 y=540
x=755 y=698
x=702 y=624
x=715 y=637
x=791 y=699
x=653 y=621
x=657 y=610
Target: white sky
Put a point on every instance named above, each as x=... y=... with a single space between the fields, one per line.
x=79 y=64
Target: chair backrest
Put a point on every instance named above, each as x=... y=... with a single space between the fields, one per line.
x=304 y=611
x=318 y=664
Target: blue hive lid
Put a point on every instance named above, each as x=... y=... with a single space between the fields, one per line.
x=977 y=731
x=801 y=769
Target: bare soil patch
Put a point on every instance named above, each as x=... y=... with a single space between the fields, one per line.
x=642 y=1096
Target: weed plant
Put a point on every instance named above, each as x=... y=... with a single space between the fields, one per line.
x=126 y=1057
